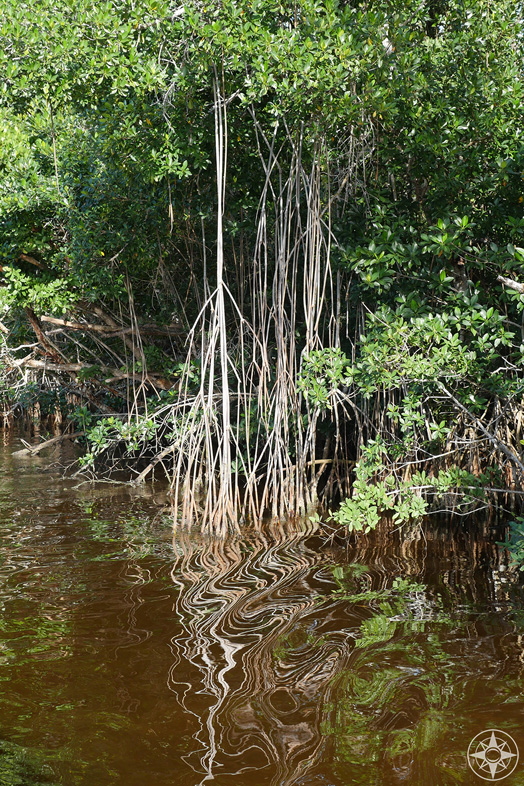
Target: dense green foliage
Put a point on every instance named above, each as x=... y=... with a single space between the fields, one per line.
x=409 y=116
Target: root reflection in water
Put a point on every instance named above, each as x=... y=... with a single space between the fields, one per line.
x=238 y=604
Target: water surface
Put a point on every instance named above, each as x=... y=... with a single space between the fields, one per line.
x=132 y=655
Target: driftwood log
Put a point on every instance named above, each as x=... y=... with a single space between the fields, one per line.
x=32 y=450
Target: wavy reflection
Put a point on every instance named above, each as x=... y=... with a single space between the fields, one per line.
x=238 y=603
x=291 y=656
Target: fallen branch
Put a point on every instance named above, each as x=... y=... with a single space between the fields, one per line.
x=32 y=450
x=109 y=374
x=143 y=475
x=75 y=325
x=113 y=331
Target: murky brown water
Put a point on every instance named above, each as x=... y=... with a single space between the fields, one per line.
x=129 y=657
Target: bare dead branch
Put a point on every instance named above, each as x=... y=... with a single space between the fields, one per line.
x=511 y=284
x=33 y=450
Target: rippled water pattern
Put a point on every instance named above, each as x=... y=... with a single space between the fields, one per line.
x=129 y=656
